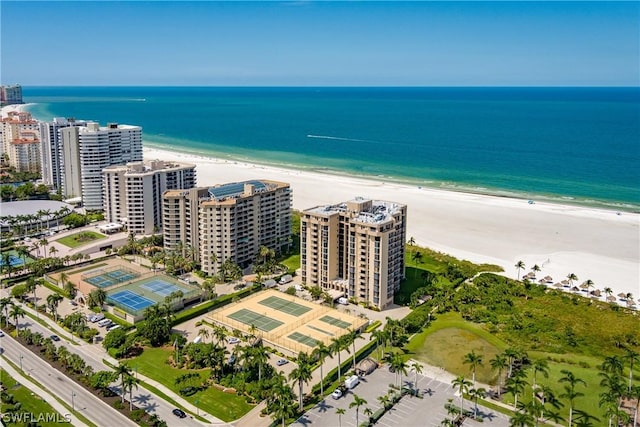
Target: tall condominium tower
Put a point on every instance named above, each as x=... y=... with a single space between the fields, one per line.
x=52 y=150
x=132 y=193
x=230 y=221
x=86 y=150
x=21 y=141
x=356 y=248
x=11 y=94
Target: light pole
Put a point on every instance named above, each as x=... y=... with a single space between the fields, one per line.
x=21 y=357
x=73 y=402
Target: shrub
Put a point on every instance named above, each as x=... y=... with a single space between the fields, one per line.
x=118 y=405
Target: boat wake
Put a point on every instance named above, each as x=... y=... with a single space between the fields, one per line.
x=337 y=138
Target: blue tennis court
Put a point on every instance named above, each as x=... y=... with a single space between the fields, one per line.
x=14 y=261
x=130 y=300
x=160 y=287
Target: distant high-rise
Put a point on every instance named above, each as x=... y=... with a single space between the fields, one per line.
x=356 y=248
x=11 y=94
x=21 y=142
x=133 y=192
x=87 y=150
x=229 y=221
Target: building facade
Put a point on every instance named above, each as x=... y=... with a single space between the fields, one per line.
x=21 y=141
x=87 y=150
x=52 y=149
x=11 y=94
x=230 y=221
x=356 y=248
x=132 y=193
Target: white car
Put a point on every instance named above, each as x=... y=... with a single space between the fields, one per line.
x=337 y=394
x=233 y=340
x=281 y=362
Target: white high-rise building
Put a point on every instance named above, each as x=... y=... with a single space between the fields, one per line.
x=87 y=150
x=133 y=192
x=52 y=150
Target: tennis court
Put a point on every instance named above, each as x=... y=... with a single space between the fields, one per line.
x=335 y=322
x=286 y=322
x=160 y=287
x=109 y=277
x=285 y=306
x=128 y=299
x=262 y=322
x=303 y=339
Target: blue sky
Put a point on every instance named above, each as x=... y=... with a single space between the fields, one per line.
x=321 y=43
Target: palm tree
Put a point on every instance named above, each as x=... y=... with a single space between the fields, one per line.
x=476 y=393
x=340 y=412
x=474 y=360
x=123 y=371
x=204 y=333
x=535 y=269
x=499 y=363
x=399 y=366
x=571 y=277
x=570 y=389
x=539 y=365
x=515 y=386
x=417 y=367
x=302 y=374
x=99 y=296
x=53 y=251
x=351 y=338
x=260 y=357
x=633 y=357
x=5 y=303
x=612 y=364
x=128 y=384
x=357 y=403
x=521 y=419
x=17 y=312
x=337 y=343
x=511 y=354
x=519 y=266
x=380 y=336
x=44 y=242
x=368 y=412
x=53 y=300
x=321 y=352
x=462 y=384
x=608 y=291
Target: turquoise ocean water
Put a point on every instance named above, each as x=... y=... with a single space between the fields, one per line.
x=575 y=145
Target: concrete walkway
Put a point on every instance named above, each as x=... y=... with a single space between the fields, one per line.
x=45 y=395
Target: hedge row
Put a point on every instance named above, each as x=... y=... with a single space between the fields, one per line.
x=372 y=327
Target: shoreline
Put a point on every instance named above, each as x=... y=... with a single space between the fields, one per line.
x=481 y=228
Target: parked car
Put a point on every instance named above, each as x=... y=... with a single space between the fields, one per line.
x=337 y=394
x=1 y=334
x=105 y=322
x=96 y=318
x=179 y=413
x=72 y=302
x=281 y=362
x=112 y=327
x=232 y=359
x=54 y=338
x=233 y=340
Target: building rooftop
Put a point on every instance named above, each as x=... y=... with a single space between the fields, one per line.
x=234 y=189
x=378 y=212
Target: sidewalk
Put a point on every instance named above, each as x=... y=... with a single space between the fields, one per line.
x=43 y=394
x=97 y=350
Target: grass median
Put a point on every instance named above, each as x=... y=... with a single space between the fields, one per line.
x=152 y=363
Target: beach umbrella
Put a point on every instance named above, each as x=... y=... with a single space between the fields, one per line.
x=596 y=292
x=611 y=298
x=548 y=279
x=558 y=285
x=622 y=295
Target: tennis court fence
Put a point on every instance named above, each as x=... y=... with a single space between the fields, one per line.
x=128 y=273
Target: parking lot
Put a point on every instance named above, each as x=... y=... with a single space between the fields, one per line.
x=410 y=411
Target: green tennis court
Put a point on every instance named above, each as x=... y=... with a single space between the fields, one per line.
x=285 y=306
x=304 y=339
x=335 y=322
x=322 y=331
x=260 y=321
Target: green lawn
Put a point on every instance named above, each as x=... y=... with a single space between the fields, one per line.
x=292 y=262
x=226 y=406
x=81 y=238
x=446 y=342
x=31 y=403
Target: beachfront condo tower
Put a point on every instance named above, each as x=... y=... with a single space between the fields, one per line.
x=132 y=193
x=21 y=142
x=51 y=149
x=10 y=94
x=87 y=150
x=355 y=249
x=229 y=221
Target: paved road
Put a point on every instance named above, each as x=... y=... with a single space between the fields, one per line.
x=84 y=402
x=141 y=397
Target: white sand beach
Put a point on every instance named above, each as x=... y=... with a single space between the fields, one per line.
x=594 y=244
